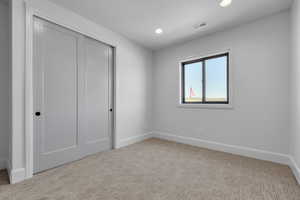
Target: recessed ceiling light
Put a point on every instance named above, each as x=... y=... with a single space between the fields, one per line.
x=159 y=31
x=225 y=3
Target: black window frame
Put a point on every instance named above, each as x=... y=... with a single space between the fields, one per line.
x=204 y=80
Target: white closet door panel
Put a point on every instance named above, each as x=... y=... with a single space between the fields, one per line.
x=60 y=91
x=56 y=93
x=97 y=100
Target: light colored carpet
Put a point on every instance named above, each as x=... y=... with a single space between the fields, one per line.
x=160 y=170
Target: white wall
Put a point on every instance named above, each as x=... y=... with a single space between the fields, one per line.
x=4 y=83
x=260 y=53
x=295 y=84
x=133 y=78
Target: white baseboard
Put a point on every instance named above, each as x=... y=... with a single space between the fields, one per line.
x=17 y=175
x=233 y=149
x=132 y=140
x=295 y=168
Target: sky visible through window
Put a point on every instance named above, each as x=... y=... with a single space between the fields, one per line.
x=193 y=82
x=216 y=80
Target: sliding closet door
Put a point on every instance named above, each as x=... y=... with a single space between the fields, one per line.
x=97 y=99
x=55 y=89
x=72 y=95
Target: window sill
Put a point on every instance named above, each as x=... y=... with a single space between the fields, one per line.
x=207 y=106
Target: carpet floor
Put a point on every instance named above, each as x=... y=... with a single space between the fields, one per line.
x=160 y=170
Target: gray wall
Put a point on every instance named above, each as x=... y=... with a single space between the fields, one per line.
x=295 y=82
x=4 y=83
x=260 y=118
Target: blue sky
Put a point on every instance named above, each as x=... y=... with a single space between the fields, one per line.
x=215 y=78
x=193 y=79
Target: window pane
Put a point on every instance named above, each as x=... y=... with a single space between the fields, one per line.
x=216 y=79
x=193 y=82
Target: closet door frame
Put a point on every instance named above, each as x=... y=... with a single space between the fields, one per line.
x=31 y=13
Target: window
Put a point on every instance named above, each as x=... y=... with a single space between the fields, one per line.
x=206 y=80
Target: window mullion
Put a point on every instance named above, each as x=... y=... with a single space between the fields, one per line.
x=183 y=83
x=203 y=82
